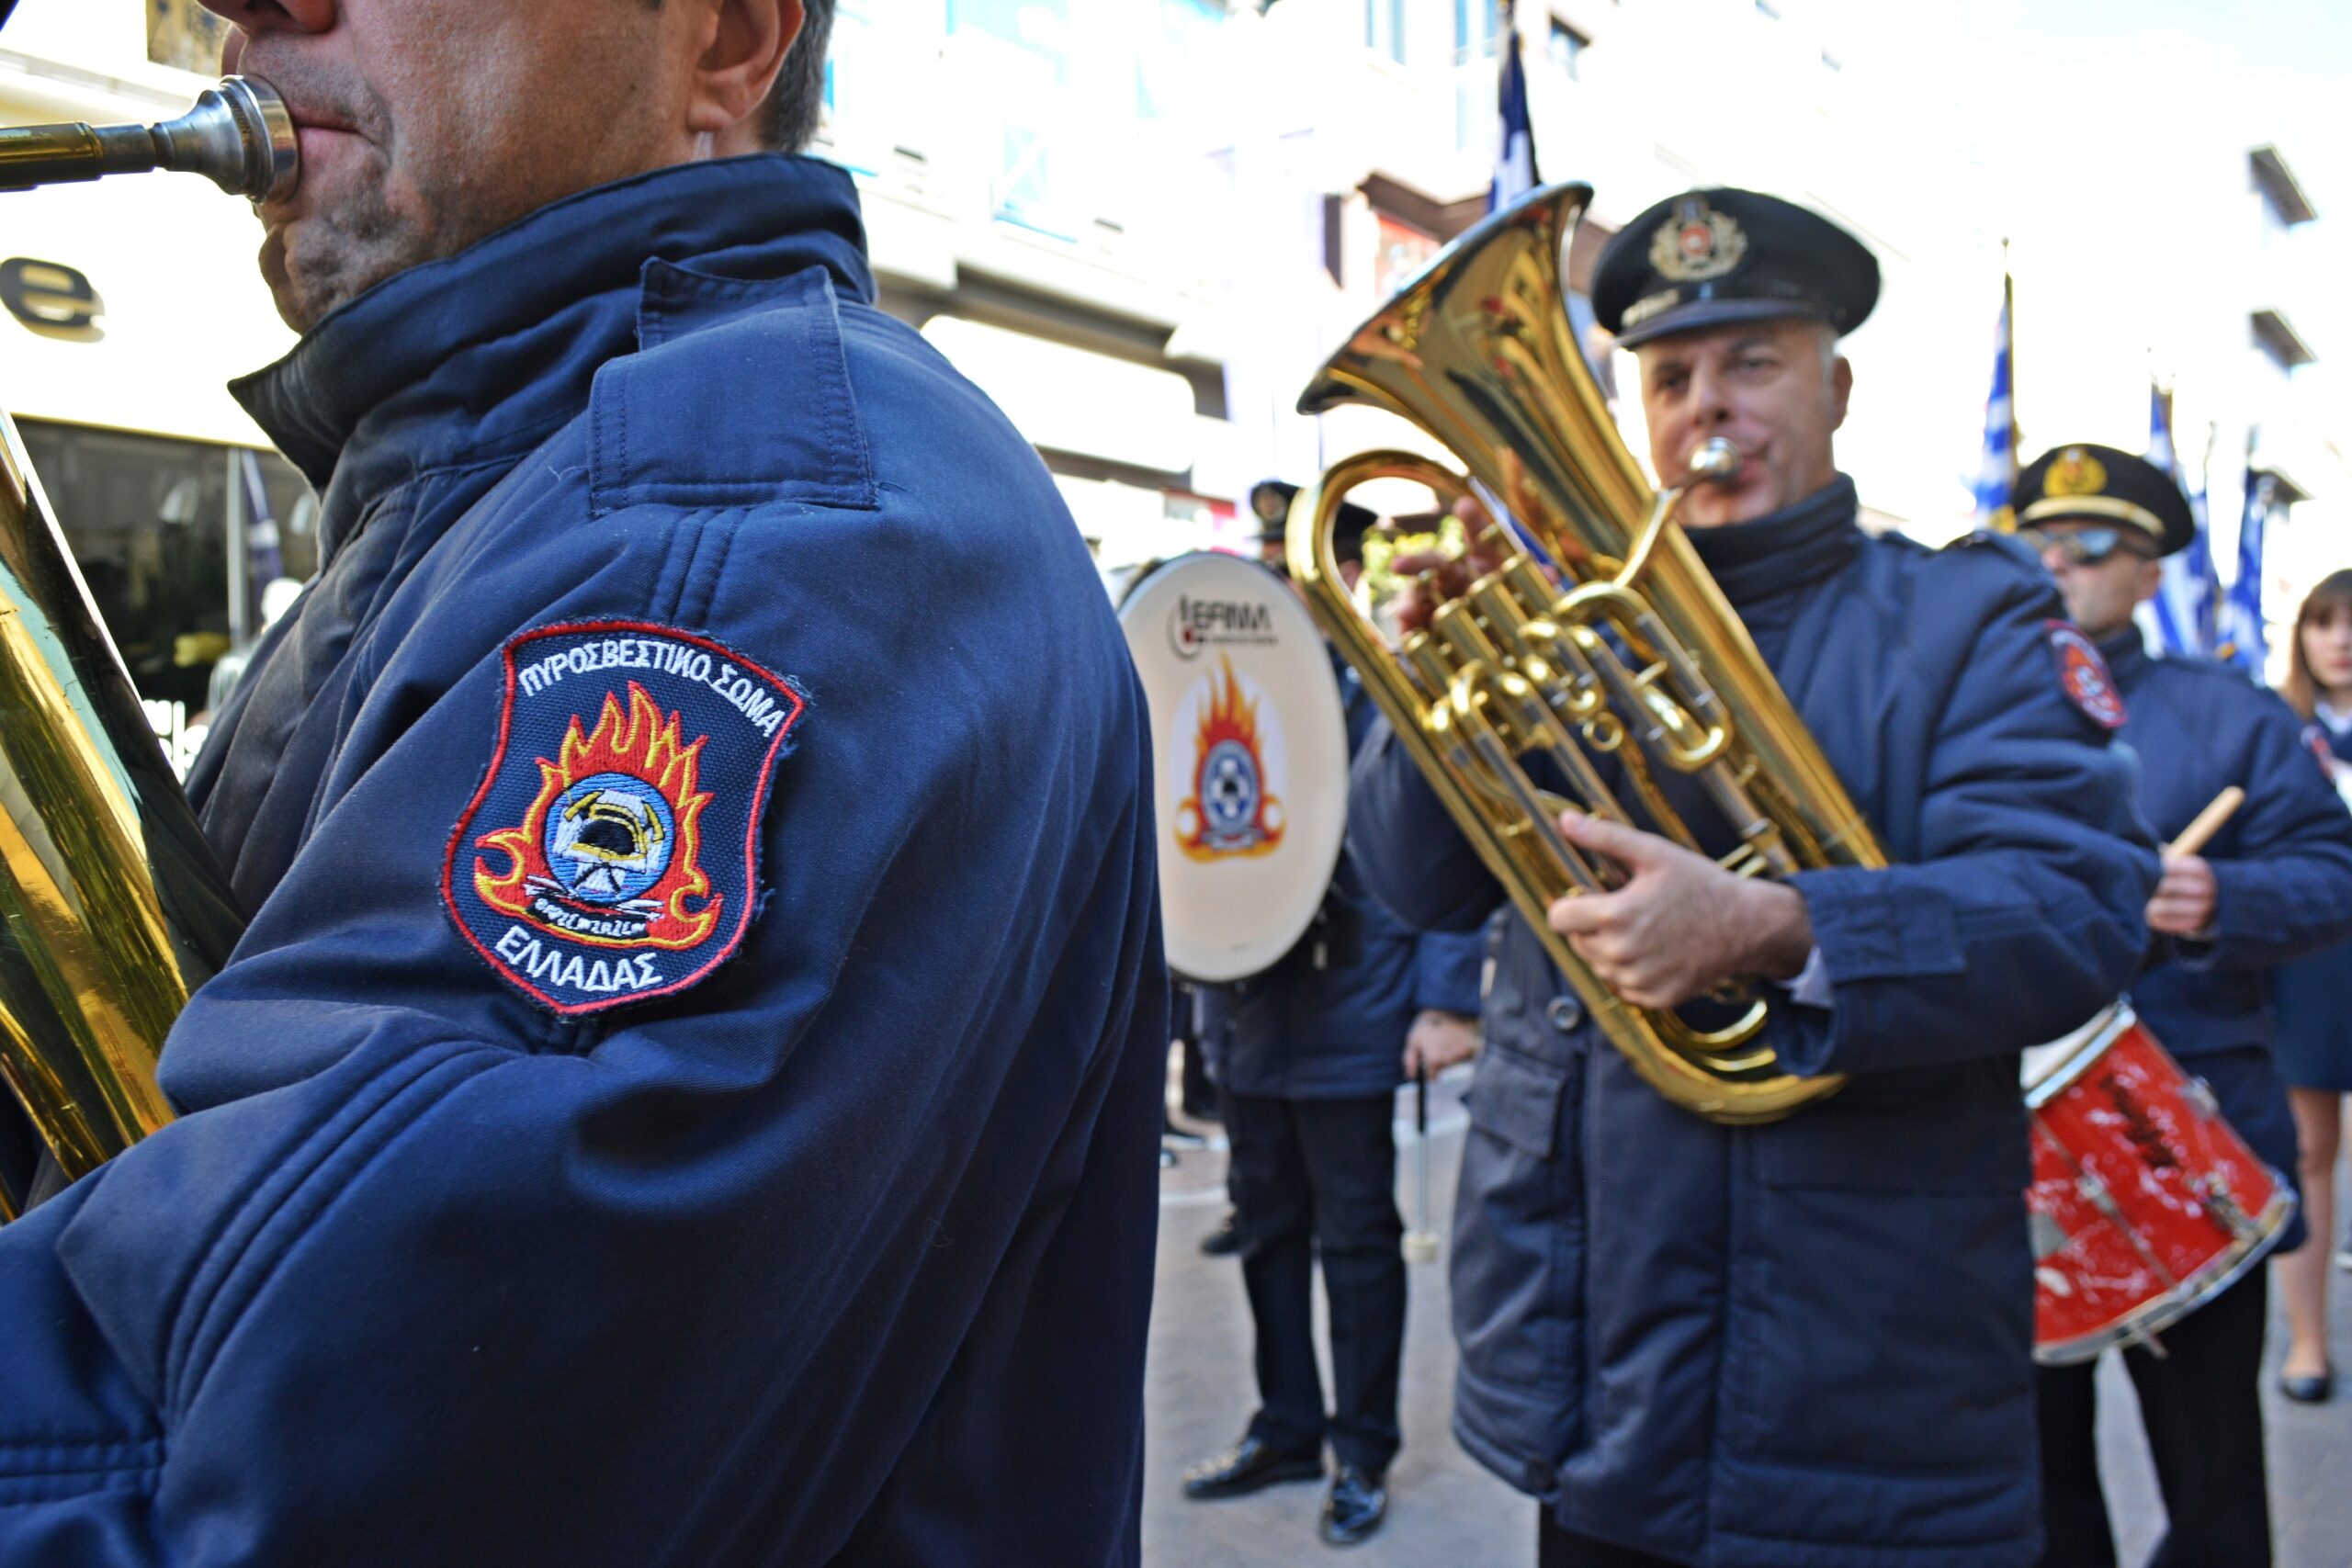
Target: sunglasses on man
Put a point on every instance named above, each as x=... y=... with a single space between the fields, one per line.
x=2085 y=546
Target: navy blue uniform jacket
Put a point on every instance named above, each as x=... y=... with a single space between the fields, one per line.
x=840 y=1254
x=1805 y=1345
x=2283 y=864
x=1328 y=1021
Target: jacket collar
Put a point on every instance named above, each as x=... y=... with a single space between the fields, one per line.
x=1803 y=543
x=2126 y=653
x=488 y=352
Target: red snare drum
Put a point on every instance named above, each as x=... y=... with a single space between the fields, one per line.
x=2146 y=1205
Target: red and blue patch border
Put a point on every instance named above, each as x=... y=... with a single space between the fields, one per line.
x=743 y=919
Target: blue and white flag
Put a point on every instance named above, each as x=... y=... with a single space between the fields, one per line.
x=2187 y=604
x=1997 y=476
x=2244 y=640
x=1515 y=173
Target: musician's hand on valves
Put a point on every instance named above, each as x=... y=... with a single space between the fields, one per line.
x=1453 y=574
x=1682 y=925
x=2184 y=902
x=1437 y=1040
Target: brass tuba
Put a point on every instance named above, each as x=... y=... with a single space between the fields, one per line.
x=113 y=908
x=1631 y=654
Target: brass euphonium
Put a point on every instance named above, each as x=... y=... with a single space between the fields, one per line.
x=113 y=908
x=1630 y=653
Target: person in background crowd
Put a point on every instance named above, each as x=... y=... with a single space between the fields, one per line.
x=1808 y=1342
x=2274 y=883
x=1307 y=1057
x=2314 y=998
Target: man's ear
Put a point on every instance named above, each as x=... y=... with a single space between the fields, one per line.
x=2148 y=579
x=744 y=43
x=1841 y=391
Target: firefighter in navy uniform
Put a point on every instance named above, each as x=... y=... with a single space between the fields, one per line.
x=2275 y=882
x=764 y=1174
x=1804 y=1343
x=1307 y=1057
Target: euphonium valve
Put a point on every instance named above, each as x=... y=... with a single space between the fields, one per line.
x=239 y=135
x=1595 y=662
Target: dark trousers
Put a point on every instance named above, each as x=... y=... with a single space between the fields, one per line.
x=1558 y=1547
x=2202 y=1404
x=1313 y=1177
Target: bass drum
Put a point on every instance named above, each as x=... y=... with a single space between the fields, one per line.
x=1250 y=754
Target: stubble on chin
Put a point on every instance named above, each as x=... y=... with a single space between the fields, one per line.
x=319 y=262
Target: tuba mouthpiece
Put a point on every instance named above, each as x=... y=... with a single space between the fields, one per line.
x=1715 y=460
x=238 y=135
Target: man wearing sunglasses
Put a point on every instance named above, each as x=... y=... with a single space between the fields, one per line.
x=2274 y=883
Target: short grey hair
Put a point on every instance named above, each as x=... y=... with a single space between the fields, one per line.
x=797 y=104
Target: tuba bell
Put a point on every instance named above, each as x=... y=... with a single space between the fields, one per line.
x=113 y=907
x=1625 y=652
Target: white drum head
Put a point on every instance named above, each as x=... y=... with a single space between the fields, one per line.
x=2045 y=1070
x=1249 y=748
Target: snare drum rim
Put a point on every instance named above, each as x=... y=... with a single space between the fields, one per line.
x=2121 y=1021
x=2154 y=1316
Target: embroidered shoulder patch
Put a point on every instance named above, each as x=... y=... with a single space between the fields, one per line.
x=612 y=853
x=2084 y=676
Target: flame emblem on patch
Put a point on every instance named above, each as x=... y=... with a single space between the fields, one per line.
x=1232 y=809
x=609 y=851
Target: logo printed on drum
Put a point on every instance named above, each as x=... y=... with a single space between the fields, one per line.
x=2138 y=1125
x=1234 y=809
x=1195 y=623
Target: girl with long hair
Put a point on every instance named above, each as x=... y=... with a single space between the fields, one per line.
x=2314 y=1000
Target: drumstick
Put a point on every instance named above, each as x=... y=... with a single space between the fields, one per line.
x=2207 y=823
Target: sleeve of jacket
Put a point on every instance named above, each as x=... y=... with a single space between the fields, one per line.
x=2285 y=889
x=1446 y=970
x=2021 y=915
x=1405 y=845
x=426 y=1274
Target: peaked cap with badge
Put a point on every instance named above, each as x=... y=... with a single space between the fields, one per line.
x=1270 y=498
x=1710 y=257
x=2085 y=482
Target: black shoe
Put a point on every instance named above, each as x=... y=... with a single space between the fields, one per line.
x=1224 y=1241
x=1354 y=1507
x=2312 y=1389
x=1249 y=1466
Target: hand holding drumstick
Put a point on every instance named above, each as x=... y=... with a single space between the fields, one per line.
x=2184 y=900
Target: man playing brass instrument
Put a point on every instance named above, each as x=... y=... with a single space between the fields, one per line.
x=1807 y=1342
x=687 y=1093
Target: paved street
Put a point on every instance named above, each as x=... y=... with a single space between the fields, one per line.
x=1446 y=1512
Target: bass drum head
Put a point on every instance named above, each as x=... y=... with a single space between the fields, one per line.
x=1250 y=754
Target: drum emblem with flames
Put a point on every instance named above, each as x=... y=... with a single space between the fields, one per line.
x=608 y=852
x=1233 y=808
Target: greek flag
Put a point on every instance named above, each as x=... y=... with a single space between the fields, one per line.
x=1997 y=478
x=2190 y=596
x=1515 y=173
x=2243 y=638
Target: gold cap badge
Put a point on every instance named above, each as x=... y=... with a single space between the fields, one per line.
x=1697 y=242
x=2076 y=472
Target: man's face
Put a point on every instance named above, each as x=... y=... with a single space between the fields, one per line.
x=2100 y=595
x=1777 y=388
x=427 y=124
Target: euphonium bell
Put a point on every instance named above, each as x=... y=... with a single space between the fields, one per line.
x=1623 y=655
